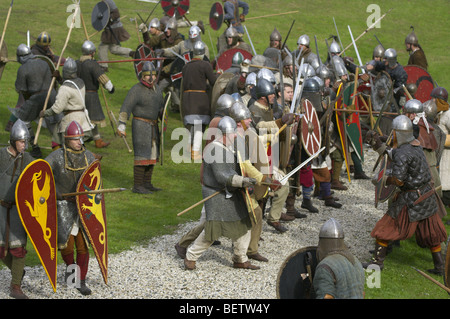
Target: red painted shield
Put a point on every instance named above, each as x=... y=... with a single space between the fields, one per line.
x=423 y=81
x=382 y=191
x=142 y=52
x=172 y=7
x=311 y=134
x=216 y=16
x=36 y=204
x=224 y=61
x=91 y=209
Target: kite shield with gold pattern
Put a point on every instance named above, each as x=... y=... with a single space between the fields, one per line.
x=36 y=204
x=92 y=212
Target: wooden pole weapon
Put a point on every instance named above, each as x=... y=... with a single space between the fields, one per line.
x=57 y=66
x=6 y=23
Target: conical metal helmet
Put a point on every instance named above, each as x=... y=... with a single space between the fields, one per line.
x=403 y=128
x=199 y=48
x=334 y=47
x=231 y=33
x=43 y=39
x=378 y=52
x=391 y=56
x=19 y=131
x=412 y=38
x=275 y=35
x=430 y=110
x=224 y=103
x=267 y=75
x=74 y=131
x=323 y=72
x=439 y=93
x=227 y=125
x=331 y=229
x=239 y=111
x=264 y=88
x=237 y=59
x=303 y=40
x=154 y=23
x=88 y=47
x=70 y=69
x=250 y=79
x=171 y=24
x=413 y=106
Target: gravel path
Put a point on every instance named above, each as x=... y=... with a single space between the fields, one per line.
x=155 y=271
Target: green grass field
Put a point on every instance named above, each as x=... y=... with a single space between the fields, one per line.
x=134 y=219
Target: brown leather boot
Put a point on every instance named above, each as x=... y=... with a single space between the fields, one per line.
x=17 y=293
x=101 y=144
x=438 y=264
x=336 y=184
x=189 y=264
x=246 y=265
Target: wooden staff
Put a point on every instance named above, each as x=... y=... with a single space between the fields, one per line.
x=365 y=31
x=6 y=24
x=57 y=66
x=96 y=191
x=111 y=114
x=198 y=203
x=432 y=280
x=407 y=92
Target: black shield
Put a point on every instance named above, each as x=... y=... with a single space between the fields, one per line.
x=296 y=275
x=100 y=16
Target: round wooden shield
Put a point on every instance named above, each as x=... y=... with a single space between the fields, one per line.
x=380 y=90
x=216 y=16
x=311 y=134
x=295 y=276
x=92 y=212
x=175 y=7
x=382 y=191
x=422 y=79
x=36 y=204
x=225 y=60
x=100 y=16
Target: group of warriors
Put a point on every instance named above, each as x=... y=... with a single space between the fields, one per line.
x=282 y=103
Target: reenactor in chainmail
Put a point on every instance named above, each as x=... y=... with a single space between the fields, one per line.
x=275 y=43
x=186 y=45
x=33 y=82
x=153 y=31
x=70 y=101
x=396 y=72
x=416 y=209
x=145 y=102
x=431 y=114
x=112 y=36
x=68 y=164
x=423 y=132
x=226 y=212
x=231 y=39
x=338 y=274
x=93 y=75
x=43 y=47
x=224 y=104
x=13 y=237
x=416 y=54
x=303 y=44
x=237 y=83
x=169 y=38
x=262 y=117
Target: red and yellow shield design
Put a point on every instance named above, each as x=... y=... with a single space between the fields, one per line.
x=91 y=209
x=36 y=204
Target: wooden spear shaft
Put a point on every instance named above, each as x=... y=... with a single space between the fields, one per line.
x=98 y=191
x=432 y=279
x=6 y=24
x=57 y=67
x=198 y=203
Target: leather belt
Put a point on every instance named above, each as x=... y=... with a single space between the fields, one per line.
x=196 y=91
x=154 y=122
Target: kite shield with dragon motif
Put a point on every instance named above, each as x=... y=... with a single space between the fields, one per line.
x=92 y=212
x=36 y=204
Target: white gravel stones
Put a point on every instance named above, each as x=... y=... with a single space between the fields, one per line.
x=156 y=272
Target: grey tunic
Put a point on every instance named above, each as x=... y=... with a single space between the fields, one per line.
x=10 y=174
x=146 y=104
x=226 y=213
